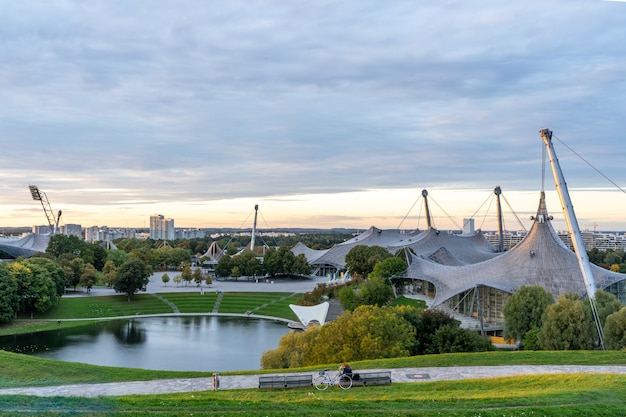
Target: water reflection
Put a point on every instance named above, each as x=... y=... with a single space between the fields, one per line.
x=170 y=343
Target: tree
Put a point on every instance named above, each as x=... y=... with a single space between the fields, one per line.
x=197 y=276
x=109 y=271
x=361 y=259
x=177 y=279
x=9 y=301
x=186 y=274
x=375 y=291
x=523 y=311
x=427 y=324
x=388 y=267
x=606 y=304
x=224 y=266
x=57 y=273
x=453 y=339
x=118 y=257
x=99 y=257
x=348 y=298
x=615 y=330
x=566 y=325
x=89 y=278
x=207 y=279
x=76 y=267
x=36 y=290
x=368 y=332
x=165 y=278
x=131 y=277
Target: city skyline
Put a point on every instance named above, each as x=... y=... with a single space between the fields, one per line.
x=324 y=114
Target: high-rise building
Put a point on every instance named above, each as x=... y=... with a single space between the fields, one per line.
x=468 y=226
x=161 y=228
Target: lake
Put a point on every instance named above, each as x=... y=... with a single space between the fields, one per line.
x=182 y=343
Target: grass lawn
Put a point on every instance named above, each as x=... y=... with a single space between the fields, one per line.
x=540 y=395
x=73 y=308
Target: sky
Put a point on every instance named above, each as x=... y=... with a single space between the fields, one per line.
x=324 y=113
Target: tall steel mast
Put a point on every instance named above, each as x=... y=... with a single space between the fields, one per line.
x=497 y=191
x=256 y=210
x=427 y=209
x=574 y=230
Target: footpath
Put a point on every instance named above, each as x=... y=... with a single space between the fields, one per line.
x=229 y=382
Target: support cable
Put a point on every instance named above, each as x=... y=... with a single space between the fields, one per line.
x=592 y=167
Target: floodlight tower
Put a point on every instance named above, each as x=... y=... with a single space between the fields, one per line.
x=40 y=196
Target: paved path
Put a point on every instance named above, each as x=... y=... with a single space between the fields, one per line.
x=251 y=381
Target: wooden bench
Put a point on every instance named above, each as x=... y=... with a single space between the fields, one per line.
x=285 y=381
x=360 y=379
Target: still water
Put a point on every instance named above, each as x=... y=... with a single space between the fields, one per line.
x=191 y=343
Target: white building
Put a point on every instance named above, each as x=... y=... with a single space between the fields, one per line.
x=162 y=228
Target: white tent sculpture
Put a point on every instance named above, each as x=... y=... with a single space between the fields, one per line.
x=308 y=314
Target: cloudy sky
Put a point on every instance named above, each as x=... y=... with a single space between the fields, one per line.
x=325 y=113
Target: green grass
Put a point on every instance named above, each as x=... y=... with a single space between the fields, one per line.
x=403 y=301
x=192 y=302
x=106 y=306
x=240 y=303
x=543 y=395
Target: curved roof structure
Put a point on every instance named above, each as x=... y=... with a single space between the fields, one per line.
x=26 y=246
x=448 y=249
x=308 y=314
x=336 y=256
x=466 y=249
x=311 y=255
x=541 y=258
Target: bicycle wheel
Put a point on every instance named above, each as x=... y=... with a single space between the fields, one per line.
x=321 y=382
x=345 y=381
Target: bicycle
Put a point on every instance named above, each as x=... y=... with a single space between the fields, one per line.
x=323 y=380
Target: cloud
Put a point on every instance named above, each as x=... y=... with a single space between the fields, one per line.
x=189 y=102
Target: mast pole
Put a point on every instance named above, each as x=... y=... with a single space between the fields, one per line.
x=497 y=191
x=427 y=209
x=256 y=210
x=574 y=229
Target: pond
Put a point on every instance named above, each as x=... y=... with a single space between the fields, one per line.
x=184 y=343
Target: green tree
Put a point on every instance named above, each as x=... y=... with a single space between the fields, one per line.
x=348 y=298
x=388 y=267
x=57 y=273
x=118 y=257
x=523 y=311
x=9 y=301
x=606 y=304
x=369 y=332
x=165 y=278
x=224 y=266
x=207 y=279
x=566 y=325
x=36 y=290
x=132 y=277
x=427 y=324
x=89 y=277
x=361 y=259
x=453 y=339
x=375 y=291
x=109 y=271
x=615 y=330
x=99 y=257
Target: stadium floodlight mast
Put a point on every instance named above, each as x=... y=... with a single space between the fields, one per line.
x=53 y=221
